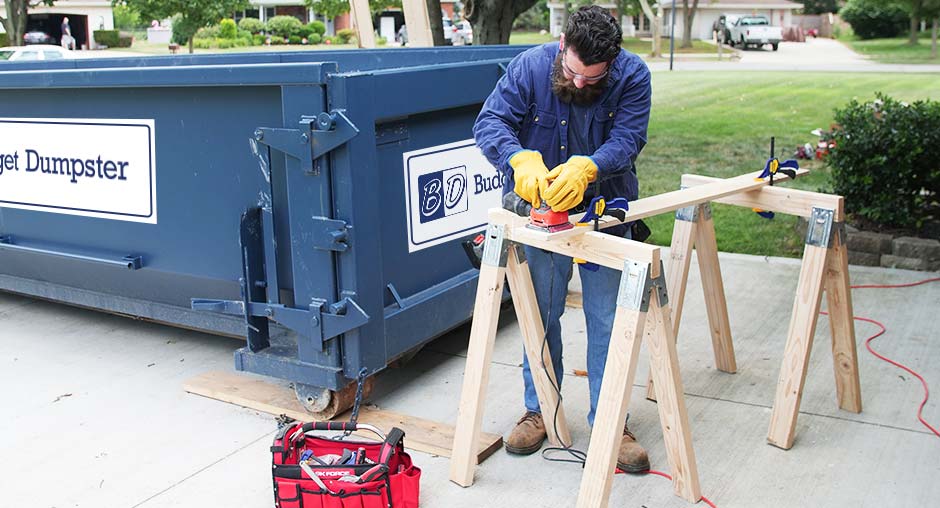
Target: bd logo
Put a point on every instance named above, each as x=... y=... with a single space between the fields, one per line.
x=442 y=193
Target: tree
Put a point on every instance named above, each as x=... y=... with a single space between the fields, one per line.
x=932 y=11
x=492 y=19
x=819 y=6
x=915 y=10
x=190 y=16
x=328 y=8
x=17 y=13
x=377 y=6
x=656 y=24
x=689 y=17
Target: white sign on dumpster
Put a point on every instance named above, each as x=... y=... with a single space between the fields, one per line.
x=448 y=190
x=103 y=168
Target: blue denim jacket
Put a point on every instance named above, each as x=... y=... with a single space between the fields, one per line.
x=522 y=112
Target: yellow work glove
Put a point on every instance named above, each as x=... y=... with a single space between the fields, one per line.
x=568 y=183
x=529 y=172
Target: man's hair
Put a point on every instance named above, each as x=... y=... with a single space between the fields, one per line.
x=593 y=34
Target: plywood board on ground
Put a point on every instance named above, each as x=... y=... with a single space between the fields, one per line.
x=256 y=393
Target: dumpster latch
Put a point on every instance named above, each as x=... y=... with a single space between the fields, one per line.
x=316 y=137
x=329 y=234
x=319 y=323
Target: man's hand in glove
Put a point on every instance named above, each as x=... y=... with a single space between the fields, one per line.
x=529 y=173
x=568 y=183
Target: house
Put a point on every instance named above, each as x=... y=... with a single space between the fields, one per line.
x=85 y=16
x=779 y=12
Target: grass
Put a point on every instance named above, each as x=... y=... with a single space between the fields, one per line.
x=894 y=50
x=720 y=124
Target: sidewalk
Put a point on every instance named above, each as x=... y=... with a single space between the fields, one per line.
x=95 y=402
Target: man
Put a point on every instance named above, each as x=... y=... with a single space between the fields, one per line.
x=581 y=107
x=67 y=41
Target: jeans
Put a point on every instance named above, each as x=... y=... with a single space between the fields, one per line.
x=550 y=275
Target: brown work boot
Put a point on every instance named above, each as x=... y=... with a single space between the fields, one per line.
x=632 y=457
x=528 y=435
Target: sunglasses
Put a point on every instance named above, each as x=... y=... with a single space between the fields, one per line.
x=575 y=75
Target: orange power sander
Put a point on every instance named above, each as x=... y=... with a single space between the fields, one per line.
x=541 y=218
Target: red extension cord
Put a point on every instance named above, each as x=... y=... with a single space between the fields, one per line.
x=872 y=351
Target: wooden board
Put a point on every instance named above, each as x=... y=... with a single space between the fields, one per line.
x=257 y=393
x=776 y=199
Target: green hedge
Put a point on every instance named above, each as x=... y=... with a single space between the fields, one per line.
x=228 y=29
x=873 y=19
x=886 y=161
x=284 y=26
x=113 y=38
x=4 y=40
x=253 y=25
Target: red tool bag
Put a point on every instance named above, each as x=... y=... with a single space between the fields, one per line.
x=313 y=471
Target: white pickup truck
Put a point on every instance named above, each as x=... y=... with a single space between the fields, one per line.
x=755 y=30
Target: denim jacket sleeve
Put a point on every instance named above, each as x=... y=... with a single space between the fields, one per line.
x=627 y=136
x=496 y=130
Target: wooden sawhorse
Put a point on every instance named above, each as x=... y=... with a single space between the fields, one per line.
x=642 y=294
x=825 y=267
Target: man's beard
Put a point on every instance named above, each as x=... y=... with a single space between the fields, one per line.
x=568 y=93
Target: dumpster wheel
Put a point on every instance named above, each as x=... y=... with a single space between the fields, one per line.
x=324 y=404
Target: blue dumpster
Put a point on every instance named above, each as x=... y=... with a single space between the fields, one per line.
x=310 y=202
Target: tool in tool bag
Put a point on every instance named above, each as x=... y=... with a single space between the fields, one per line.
x=771 y=168
x=385 y=478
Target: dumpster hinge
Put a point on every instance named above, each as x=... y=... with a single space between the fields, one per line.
x=319 y=323
x=316 y=137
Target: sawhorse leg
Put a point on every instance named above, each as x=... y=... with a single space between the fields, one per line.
x=501 y=259
x=824 y=266
x=641 y=293
x=540 y=358
x=694 y=228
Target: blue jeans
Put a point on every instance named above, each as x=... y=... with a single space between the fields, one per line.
x=550 y=275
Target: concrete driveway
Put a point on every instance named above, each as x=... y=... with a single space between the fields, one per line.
x=813 y=52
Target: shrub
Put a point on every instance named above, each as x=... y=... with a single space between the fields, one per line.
x=208 y=32
x=4 y=39
x=228 y=29
x=225 y=43
x=328 y=40
x=284 y=26
x=304 y=31
x=258 y=39
x=344 y=36
x=295 y=39
x=871 y=19
x=886 y=161
x=380 y=41
x=125 y=40
x=109 y=38
x=317 y=27
x=246 y=39
x=202 y=43
x=314 y=39
x=252 y=25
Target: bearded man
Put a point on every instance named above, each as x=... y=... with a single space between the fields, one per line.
x=581 y=107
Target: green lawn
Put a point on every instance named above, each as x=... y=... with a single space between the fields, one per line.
x=895 y=50
x=720 y=124
x=141 y=46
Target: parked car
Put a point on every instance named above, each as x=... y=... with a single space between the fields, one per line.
x=722 y=27
x=37 y=37
x=756 y=31
x=463 y=34
x=33 y=53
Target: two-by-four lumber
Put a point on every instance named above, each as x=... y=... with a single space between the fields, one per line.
x=839 y=304
x=540 y=359
x=799 y=344
x=261 y=394
x=579 y=242
x=778 y=199
x=476 y=376
x=700 y=234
